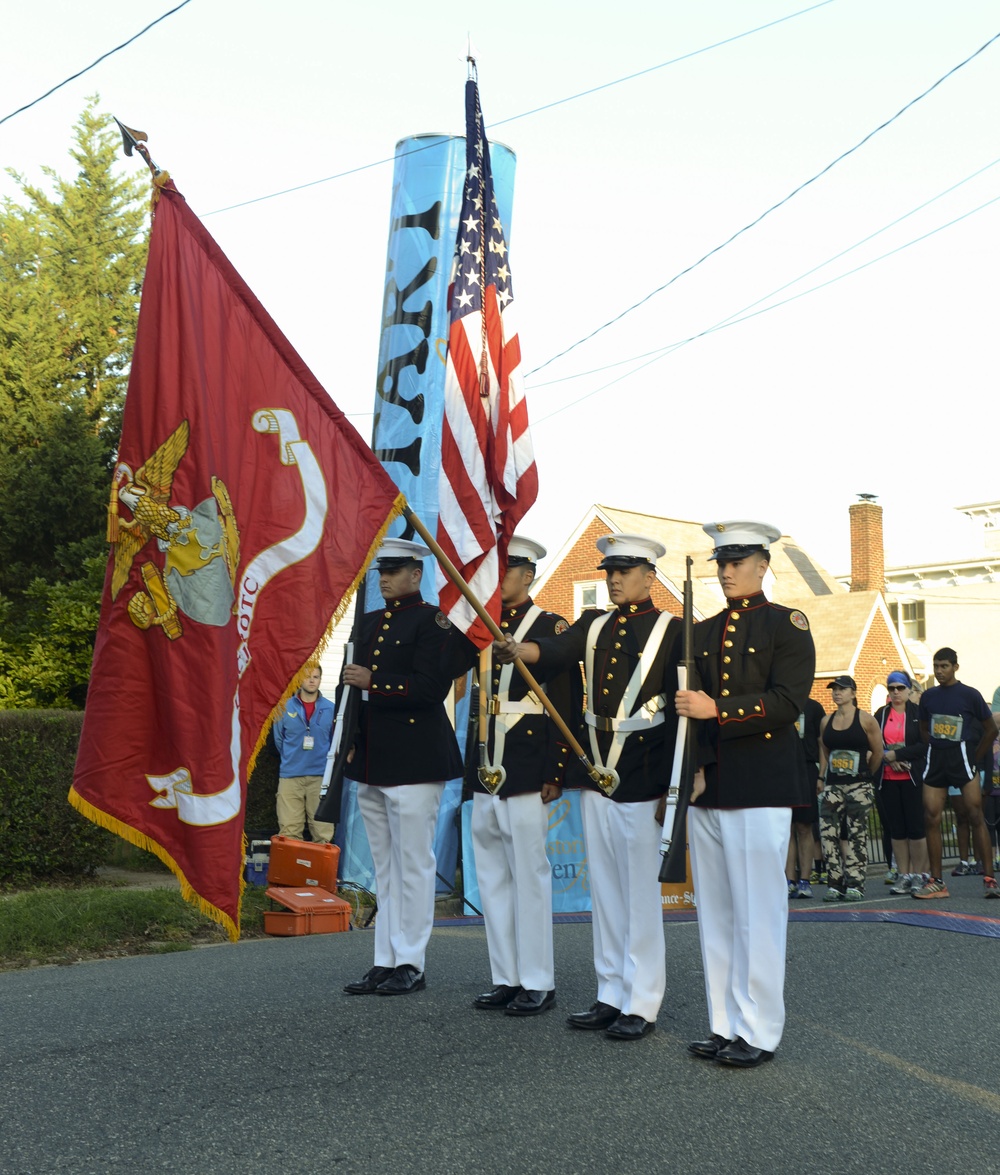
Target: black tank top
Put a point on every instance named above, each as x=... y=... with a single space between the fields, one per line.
x=847 y=751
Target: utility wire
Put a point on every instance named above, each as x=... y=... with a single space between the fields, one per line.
x=773 y=208
x=514 y=117
x=659 y=351
x=726 y=323
x=86 y=68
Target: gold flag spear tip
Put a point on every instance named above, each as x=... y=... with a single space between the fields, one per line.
x=136 y=140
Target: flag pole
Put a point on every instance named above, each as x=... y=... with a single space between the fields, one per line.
x=133 y=140
x=606 y=780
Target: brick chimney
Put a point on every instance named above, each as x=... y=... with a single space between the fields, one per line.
x=867 y=551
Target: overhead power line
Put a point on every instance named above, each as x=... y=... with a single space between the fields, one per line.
x=527 y=113
x=734 y=321
x=774 y=207
x=659 y=352
x=86 y=68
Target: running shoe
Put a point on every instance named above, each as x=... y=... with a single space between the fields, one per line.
x=990 y=888
x=891 y=876
x=934 y=888
x=853 y=894
x=905 y=884
x=793 y=890
x=962 y=869
x=805 y=890
x=833 y=895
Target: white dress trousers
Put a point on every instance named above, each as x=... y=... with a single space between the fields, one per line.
x=623 y=862
x=515 y=888
x=738 y=864
x=400 y=823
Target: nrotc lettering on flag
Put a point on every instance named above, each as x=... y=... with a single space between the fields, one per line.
x=488 y=474
x=244 y=510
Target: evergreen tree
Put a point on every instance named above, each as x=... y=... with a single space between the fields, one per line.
x=71 y=264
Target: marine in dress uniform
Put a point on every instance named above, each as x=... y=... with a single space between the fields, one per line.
x=510 y=824
x=755 y=661
x=629 y=656
x=405 y=750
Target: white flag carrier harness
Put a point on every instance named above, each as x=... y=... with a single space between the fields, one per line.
x=624 y=722
x=507 y=713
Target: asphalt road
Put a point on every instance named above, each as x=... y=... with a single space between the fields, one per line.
x=248 y=1058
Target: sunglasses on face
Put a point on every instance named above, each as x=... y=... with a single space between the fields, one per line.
x=898 y=689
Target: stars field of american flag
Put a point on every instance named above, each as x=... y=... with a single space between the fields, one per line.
x=488 y=475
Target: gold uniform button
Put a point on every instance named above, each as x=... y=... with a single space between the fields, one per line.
x=381 y=639
x=633 y=607
x=621 y=632
x=614 y=660
x=618 y=645
x=412 y=720
x=740 y=712
x=374 y=667
x=726 y=660
x=529 y=732
x=504 y=624
x=746 y=603
x=725 y=677
x=387 y=615
x=642 y=738
x=730 y=628
x=729 y=644
x=604 y=691
x=725 y=693
x=399 y=687
x=610 y=677
x=751 y=649
x=724 y=714
x=767 y=734
x=376 y=653
x=756 y=709
x=385 y=627
x=734 y=615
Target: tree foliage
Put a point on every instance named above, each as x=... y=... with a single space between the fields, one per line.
x=72 y=255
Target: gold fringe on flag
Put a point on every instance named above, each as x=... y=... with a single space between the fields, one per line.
x=142 y=841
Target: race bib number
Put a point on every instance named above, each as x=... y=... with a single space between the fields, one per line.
x=947 y=727
x=844 y=762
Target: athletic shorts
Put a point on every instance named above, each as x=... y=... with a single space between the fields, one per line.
x=948 y=766
x=809 y=813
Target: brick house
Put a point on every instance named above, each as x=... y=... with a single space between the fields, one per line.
x=853 y=631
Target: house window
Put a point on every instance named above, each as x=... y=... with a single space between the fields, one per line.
x=591 y=594
x=909 y=619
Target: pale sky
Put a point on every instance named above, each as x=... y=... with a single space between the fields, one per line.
x=884 y=382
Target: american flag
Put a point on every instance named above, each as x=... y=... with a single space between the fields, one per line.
x=488 y=475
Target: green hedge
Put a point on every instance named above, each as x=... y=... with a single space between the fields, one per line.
x=41 y=835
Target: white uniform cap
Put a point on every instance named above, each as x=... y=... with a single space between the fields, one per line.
x=735 y=540
x=524 y=550
x=393 y=553
x=628 y=550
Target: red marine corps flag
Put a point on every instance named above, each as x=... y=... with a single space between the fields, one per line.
x=488 y=475
x=244 y=510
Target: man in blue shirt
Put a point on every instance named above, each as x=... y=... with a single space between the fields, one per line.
x=958 y=728
x=302 y=736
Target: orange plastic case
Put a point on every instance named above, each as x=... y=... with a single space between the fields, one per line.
x=308 y=911
x=302 y=862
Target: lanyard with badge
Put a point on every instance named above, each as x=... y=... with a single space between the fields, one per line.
x=308 y=741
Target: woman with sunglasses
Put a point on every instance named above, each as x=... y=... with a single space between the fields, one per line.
x=899 y=782
x=850 y=753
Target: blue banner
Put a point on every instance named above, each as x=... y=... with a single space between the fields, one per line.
x=409 y=400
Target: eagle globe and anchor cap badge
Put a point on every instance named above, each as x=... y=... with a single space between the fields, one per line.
x=200 y=547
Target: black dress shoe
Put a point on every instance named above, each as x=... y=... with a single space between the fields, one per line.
x=497 y=997
x=597 y=1017
x=630 y=1028
x=402 y=981
x=368 y=983
x=530 y=1003
x=708 y=1049
x=742 y=1055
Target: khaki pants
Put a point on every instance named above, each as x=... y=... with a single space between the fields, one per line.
x=298 y=799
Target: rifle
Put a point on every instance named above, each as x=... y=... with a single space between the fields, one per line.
x=673 y=843
x=345 y=729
